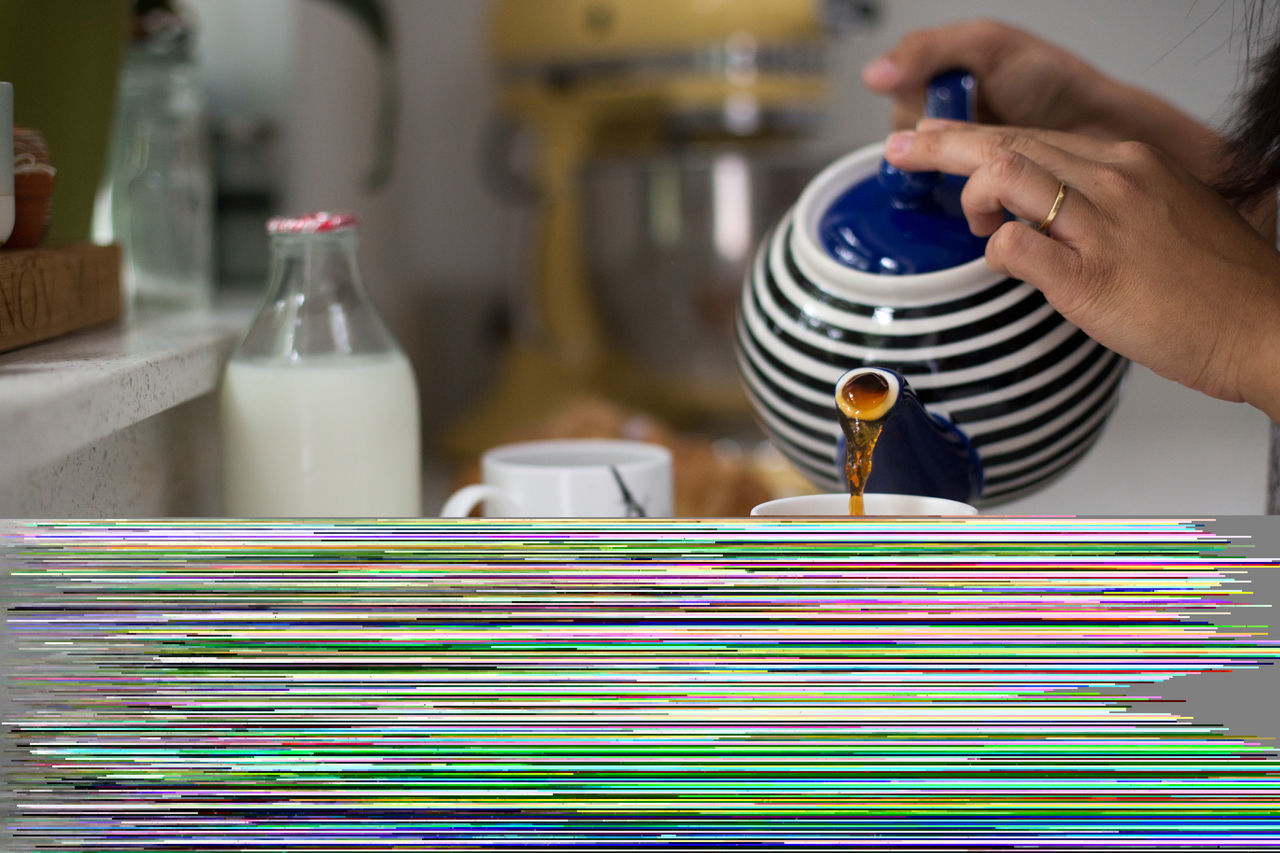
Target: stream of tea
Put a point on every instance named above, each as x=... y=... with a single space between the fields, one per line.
x=860 y=403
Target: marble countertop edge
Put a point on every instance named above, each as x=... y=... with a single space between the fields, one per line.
x=61 y=395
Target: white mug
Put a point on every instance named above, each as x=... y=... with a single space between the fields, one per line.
x=874 y=504
x=570 y=478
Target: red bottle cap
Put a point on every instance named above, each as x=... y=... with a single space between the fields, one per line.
x=311 y=223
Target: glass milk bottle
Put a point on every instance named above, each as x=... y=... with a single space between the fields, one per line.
x=319 y=404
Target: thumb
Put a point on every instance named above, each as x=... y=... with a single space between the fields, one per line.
x=976 y=46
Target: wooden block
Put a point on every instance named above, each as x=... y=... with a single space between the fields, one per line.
x=48 y=292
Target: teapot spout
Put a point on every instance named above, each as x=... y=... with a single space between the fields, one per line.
x=917 y=452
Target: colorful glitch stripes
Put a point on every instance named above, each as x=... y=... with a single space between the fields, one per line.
x=755 y=684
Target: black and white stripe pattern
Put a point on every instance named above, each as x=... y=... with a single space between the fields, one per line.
x=1030 y=390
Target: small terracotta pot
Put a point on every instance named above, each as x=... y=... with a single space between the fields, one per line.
x=33 y=204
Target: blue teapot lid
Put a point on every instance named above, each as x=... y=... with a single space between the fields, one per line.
x=907 y=223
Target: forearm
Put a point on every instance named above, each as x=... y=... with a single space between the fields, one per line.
x=1129 y=113
x=1259 y=359
x=1265 y=396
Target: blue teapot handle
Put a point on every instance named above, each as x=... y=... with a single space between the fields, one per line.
x=951 y=95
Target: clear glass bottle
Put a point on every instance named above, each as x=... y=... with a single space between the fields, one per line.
x=319 y=403
x=158 y=196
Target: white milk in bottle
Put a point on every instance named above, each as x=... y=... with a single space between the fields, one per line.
x=319 y=406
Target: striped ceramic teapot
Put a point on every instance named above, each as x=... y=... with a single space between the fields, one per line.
x=871 y=267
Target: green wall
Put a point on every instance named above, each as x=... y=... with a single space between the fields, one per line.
x=63 y=58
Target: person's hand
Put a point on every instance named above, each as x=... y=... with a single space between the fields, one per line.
x=1141 y=255
x=1028 y=82
x=1022 y=80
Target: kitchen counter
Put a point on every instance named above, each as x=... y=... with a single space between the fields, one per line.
x=1166 y=450
x=118 y=420
x=122 y=422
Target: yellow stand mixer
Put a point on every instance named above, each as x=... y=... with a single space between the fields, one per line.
x=594 y=78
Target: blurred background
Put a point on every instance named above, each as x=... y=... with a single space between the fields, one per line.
x=450 y=246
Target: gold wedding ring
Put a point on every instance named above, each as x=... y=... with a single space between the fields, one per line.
x=1053 y=211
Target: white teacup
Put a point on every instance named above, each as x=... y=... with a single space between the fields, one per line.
x=570 y=478
x=874 y=504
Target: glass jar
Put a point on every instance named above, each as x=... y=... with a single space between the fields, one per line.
x=319 y=404
x=159 y=186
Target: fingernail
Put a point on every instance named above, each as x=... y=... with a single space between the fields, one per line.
x=882 y=73
x=900 y=142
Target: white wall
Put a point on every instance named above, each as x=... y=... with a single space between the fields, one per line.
x=246 y=52
x=439 y=221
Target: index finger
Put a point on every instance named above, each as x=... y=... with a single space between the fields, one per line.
x=1083 y=146
x=956 y=151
